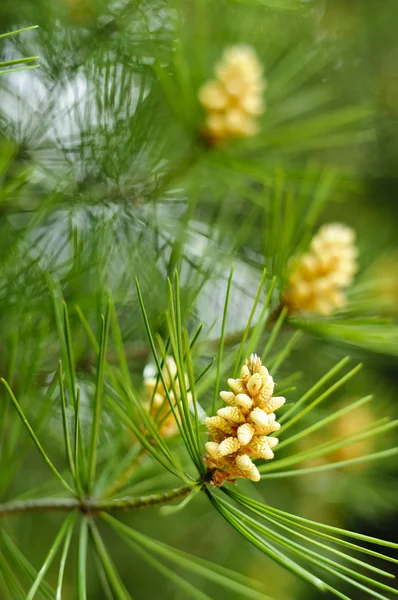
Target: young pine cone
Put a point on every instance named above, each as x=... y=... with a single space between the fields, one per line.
x=239 y=431
x=233 y=100
x=318 y=277
x=160 y=409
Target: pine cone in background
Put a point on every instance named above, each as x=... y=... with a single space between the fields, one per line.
x=234 y=98
x=159 y=408
x=319 y=276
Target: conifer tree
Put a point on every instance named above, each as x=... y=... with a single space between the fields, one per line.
x=183 y=270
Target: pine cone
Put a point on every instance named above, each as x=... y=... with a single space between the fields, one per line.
x=234 y=98
x=318 y=277
x=160 y=409
x=239 y=431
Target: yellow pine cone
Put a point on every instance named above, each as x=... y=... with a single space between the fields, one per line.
x=160 y=409
x=233 y=100
x=238 y=433
x=319 y=276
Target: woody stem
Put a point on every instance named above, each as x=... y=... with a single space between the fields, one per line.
x=92 y=505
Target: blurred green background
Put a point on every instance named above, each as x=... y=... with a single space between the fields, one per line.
x=104 y=177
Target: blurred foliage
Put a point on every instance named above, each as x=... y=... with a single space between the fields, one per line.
x=104 y=177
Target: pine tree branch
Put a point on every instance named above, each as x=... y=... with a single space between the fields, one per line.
x=92 y=506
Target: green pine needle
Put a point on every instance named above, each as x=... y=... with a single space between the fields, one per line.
x=24 y=564
x=335 y=465
x=64 y=556
x=113 y=576
x=35 y=439
x=67 y=442
x=220 y=575
x=236 y=519
x=51 y=555
x=304 y=411
x=222 y=336
x=82 y=560
x=325 y=421
x=99 y=385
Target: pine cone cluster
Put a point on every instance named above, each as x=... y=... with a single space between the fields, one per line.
x=233 y=100
x=160 y=409
x=319 y=276
x=239 y=431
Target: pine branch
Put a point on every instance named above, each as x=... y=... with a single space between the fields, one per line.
x=92 y=506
